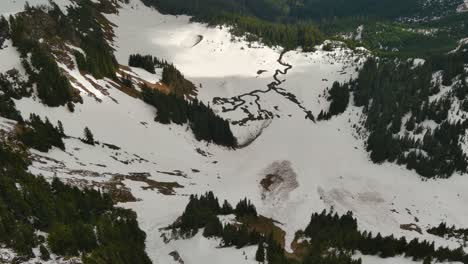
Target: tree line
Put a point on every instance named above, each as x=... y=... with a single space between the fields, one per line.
x=443 y=230
x=205 y=124
x=264 y=20
x=390 y=91
x=334 y=239
x=147 y=62
x=328 y=230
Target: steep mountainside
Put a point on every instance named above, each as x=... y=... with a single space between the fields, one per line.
x=264 y=131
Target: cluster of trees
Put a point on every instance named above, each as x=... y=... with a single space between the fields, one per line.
x=82 y=26
x=443 y=230
x=85 y=22
x=289 y=35
x=41 y=135
x=53 y=87
x=147 y=62
x=203 y=211
x=205 y=124
x=200 y=209
x=8 y=108
x=328 y=230
x=339 y=100
x=79 y=222
x=173 y=78
x=388 y=91
x=11 y=86
x=269 y=251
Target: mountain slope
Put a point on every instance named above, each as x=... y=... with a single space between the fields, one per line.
x=153 y=168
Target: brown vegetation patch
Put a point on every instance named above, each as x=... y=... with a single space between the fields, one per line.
x=299 y=247
x=265 y=226
x=166 y=188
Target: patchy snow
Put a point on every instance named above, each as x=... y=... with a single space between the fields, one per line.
x=200 y=250
x=366 y=259
x=227 y=219
x=328 y=162
x=10 y=58
x=463 y=7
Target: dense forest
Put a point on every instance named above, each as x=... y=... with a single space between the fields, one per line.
x=317 y=10
x=390 y=28
x=267 y=21
x=396 y=101
x=81 y=223
x=205 y=124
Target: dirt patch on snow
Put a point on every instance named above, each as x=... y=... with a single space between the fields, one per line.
x=340 y=197
x=411 y=227
x=278 y=180
x=166 y=188
x=265 y=226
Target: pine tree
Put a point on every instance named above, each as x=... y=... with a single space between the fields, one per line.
x=88 y=136
x=260 y=254
x=60 y=128
x=226 y=208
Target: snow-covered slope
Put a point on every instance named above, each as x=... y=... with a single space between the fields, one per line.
x=322 y=164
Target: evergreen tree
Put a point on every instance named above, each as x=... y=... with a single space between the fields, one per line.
x=260 y=254
x=205 y=124
x=88 y=136
x=60 y=128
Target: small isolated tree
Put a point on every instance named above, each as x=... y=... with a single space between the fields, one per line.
x=88 y=136
x=260 y=254
x=60 y=128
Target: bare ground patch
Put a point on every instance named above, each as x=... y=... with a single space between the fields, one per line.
x=278 y=180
